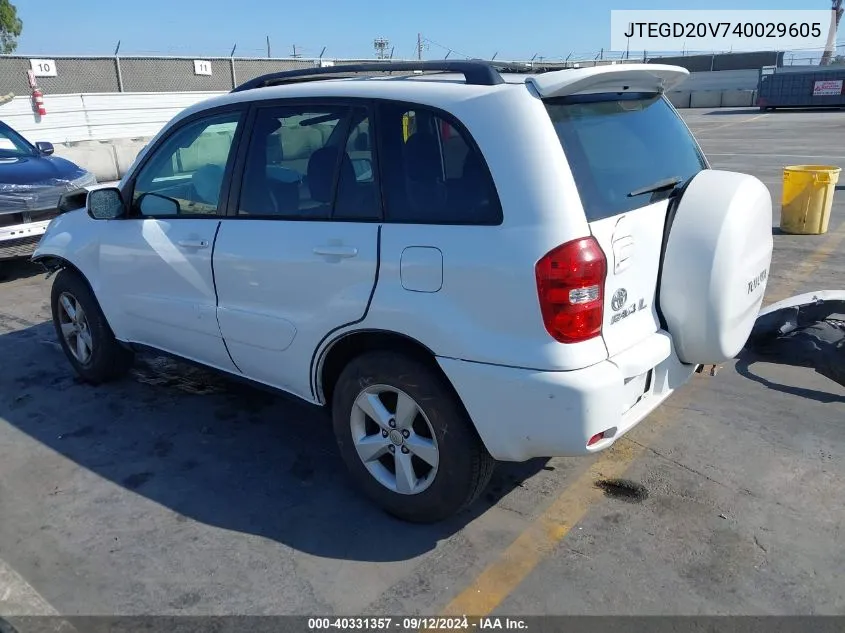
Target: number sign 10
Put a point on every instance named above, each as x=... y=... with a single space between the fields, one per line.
x=202 y=67
x=43 y=67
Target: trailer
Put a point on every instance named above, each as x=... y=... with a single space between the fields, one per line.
x=801 y=87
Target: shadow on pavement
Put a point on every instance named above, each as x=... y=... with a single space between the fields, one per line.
x=756 y=110
x=732 y=111
x=743 y=367
x=214 y=450
x=11 y=270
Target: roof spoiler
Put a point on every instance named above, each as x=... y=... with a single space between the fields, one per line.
x=616 y=78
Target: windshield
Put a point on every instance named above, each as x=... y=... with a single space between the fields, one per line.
x=12 y=144
x=619 y=144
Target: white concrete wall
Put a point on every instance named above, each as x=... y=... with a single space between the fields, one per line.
x=95 y=117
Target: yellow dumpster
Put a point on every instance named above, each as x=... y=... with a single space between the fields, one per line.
x=807 y=198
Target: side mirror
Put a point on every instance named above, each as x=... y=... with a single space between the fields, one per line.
x=106 y=204
x=157 y=204
x=45 y=148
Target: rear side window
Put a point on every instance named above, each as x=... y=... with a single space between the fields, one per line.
x=616 y=145
x=432 y=171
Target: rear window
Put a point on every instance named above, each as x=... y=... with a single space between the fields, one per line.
x=617 y=144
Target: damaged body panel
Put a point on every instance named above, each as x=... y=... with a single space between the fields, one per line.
x=807 y=330
x=26 y=210
x=32 y=181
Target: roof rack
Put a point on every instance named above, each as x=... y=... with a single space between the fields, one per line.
x=475 y=72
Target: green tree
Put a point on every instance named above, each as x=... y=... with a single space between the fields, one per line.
x=10 y=27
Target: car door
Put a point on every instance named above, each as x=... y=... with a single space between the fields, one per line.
x=298 y=254
x=156 y=262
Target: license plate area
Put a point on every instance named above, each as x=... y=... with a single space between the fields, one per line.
x=635 y=389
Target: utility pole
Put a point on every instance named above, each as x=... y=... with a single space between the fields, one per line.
x=268 y=46
x=294 y=52
x=830 y=47
x=419 y=46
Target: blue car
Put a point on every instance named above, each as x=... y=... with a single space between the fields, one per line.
x=32 y=181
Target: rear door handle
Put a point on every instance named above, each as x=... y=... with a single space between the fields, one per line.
x=336 y=251
x=193 y=243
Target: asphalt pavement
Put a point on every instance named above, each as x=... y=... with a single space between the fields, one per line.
x=178 y=492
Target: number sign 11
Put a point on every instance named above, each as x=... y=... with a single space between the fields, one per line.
x=202 y=67
x=43 y=67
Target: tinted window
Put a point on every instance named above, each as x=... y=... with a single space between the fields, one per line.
x=432 y=173
x=615 y=146
x=187 y=169
x=310 y=163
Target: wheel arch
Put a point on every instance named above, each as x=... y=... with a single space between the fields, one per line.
x=54 y=263
x=341 y=350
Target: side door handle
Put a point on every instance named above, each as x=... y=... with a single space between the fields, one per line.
x=336 y=251
x=193 y=243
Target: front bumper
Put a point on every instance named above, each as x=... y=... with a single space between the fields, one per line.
x=521 y=414
x=20 y=240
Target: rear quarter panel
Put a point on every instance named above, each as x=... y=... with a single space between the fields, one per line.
x=487 y=309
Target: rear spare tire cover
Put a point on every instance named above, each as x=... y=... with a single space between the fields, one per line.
x=716 y=265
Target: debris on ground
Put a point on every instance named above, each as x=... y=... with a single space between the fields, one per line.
x=807 y=330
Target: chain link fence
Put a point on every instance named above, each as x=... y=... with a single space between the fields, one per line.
x=75 y=75
x=79 y=75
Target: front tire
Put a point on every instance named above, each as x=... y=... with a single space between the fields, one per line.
x=406 y=440
x=84 y=333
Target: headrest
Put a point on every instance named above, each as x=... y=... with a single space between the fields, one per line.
x=422 y=158
x=321 y=168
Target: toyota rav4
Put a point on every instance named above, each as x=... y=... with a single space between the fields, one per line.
x=464 y=262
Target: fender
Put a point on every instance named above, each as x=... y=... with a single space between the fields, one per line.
x=72 y=239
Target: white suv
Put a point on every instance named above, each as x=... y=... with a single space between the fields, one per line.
x=466 y=265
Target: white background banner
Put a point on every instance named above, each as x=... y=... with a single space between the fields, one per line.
x=718 y=30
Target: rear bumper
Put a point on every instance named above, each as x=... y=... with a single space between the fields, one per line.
x=20 y=240
x=521 y=414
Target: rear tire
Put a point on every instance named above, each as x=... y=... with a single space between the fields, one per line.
x=431 y=437
x=84 y=333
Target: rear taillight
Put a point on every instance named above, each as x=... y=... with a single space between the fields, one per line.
x=570 y=285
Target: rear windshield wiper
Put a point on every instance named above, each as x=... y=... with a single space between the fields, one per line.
x=660 y=185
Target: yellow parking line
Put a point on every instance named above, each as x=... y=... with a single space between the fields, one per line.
x=540 y=538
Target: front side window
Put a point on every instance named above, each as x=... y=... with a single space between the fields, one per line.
x=617 y=145
x=432 y=173
x=184 y=176
x=307 y=162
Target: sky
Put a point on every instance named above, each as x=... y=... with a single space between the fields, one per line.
x=551 y=29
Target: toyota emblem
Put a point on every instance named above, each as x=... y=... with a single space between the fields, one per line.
x=619 y=299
